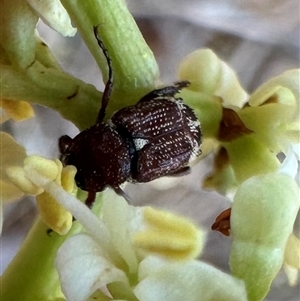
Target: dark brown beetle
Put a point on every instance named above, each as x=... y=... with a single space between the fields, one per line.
x=159 y=136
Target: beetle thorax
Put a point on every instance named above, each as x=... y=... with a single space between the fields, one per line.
x=101 y=157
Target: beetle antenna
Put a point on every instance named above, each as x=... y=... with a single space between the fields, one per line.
x=109 y=83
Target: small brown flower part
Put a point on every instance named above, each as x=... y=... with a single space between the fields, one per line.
x=231 y=126
x=222 y=223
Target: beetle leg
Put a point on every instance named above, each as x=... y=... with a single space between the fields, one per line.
x=90 y=198
x=122 y=193
x=64 y=142
x=181 y=172
x=169 y=91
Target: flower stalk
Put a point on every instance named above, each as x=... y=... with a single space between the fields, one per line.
x=32 y=275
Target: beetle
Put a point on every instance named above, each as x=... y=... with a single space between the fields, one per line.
x=159 y=136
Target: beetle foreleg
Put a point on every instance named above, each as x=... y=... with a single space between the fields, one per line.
x=181 y=172
x=90 y=198
x=165 y=92
x=122 y=193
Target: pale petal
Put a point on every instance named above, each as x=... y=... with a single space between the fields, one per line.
x=292 y=252
x=250 y=157
x=12 y=154
x=83 y=269
x=272 y=117
x=229 y=88
x=121 y=220
x=192 y=281
x=292 y=274
x=100 y=296
x=54 y=14
x=165 y=183
x=290 y=163
x=285 y=86
x=9 y=192
x=202 y=69
x=208 y=74
x=274 y=124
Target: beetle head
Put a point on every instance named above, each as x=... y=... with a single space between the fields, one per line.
x=100 y=155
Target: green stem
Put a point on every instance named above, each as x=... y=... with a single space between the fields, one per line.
x=75 y=100
x=31 y=275
x=134 y=66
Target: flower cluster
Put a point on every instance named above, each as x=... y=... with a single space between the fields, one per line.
x=148 y=255
x=247 y=133
x=141 y=253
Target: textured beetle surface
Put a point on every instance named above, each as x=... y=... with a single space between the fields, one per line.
x=159 y=136
x=165 y=134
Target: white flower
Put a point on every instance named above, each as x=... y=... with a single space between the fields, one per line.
x=140 y=254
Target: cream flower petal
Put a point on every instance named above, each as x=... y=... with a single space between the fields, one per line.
x=292 y=274
x=122 y=221
x=208 y=74
x=54 y=14
x=273 y=112
x=12 y=154
x=81 y=257
x=259 y=161
x=9 y=192
x=285 y=85
x=290 y=164
x=193 y=281
x=292 y=259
